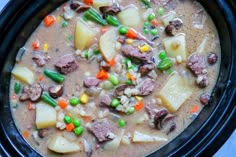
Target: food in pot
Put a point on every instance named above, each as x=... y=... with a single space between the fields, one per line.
x=113 y=77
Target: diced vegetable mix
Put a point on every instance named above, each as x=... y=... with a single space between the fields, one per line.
x=131 y=77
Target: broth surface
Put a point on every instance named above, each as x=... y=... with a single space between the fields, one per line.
x=57 y=40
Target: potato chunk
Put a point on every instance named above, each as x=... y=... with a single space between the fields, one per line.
x=168 y=17
x=141 y=137
x=115 y=143
x=107 y=44
x=100 y=3
x=60 y=144
x=84 y=35
x=45 y=116
x=23 y=74
x=175 y=92
x=130 y=17
x=176 y=46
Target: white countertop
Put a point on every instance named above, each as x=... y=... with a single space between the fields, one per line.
x=227 y=150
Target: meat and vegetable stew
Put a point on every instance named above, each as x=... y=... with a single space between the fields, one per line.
x=113 y=77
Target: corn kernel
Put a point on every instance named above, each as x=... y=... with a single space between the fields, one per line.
x=128 y=75
x=45 y=47
x=139 y=98
x=58 y=18
x=129 y=41
x=84 y=98
x=145 y=48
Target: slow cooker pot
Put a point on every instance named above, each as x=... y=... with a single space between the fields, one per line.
x=203 y=137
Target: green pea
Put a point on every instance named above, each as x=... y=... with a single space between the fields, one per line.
x=96 y=52
x=154 y=31
x=151 y=17
x=162 y=55
x=129 y=82
x=165 y=64
x=121 y=123
x=131 y=110
x=76 y=122
x=113 y=79
x=115 y=103
x=85 y=18
x=74 y=101
x=17 y=87
x=64 y=24
x=67 y=119
x=78 y=130
x=146 y=31
x=123 y=30
x=133 y=66
x=146 y=24
x=170 y=71
x=161 y=11
x=86 y=54
x=70 y=38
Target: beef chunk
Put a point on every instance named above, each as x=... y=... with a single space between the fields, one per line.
x=173 y=26
x=197 y=64
x=147 y=87
x=110 y=10
x=104 y=65
x=204 y=98
x=146 y=68
x=212 y=58
x=105 y=101
x=42 y=133
x=121 y=89
x=151 y=111
x=202 y=81
x=79 y=7
x=66 y=64
x=168 y=124
x=55 y=91
x=31 y=92
x=39 y=60
x=102 y=130
x=134 y=53
x=91 y=82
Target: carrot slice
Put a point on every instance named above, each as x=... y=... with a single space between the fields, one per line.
x=14 y=96
x=35 y=45
x=139 y=106
x=154 y=22
x=70 y=127
x=49 y=20
x=102 y=75
x=131 y=34
x=87 y=119
x=30 y=106
x=62 y=103
x=88 y=2
x=26 y=134
x=104 y=29
x=195 y=109
x=41 y=78
x=112 y=62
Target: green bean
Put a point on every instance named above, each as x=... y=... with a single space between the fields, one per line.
x=165 y=64
x=17 y=87
x=54 y=76
x=112 y=21
x=46 y=98
x=93 y=15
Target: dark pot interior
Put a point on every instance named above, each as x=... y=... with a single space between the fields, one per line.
x=203 y=137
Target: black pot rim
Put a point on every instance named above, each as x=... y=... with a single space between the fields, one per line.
x=205 y=141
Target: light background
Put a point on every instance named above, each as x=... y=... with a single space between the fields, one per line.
x=227 y=150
